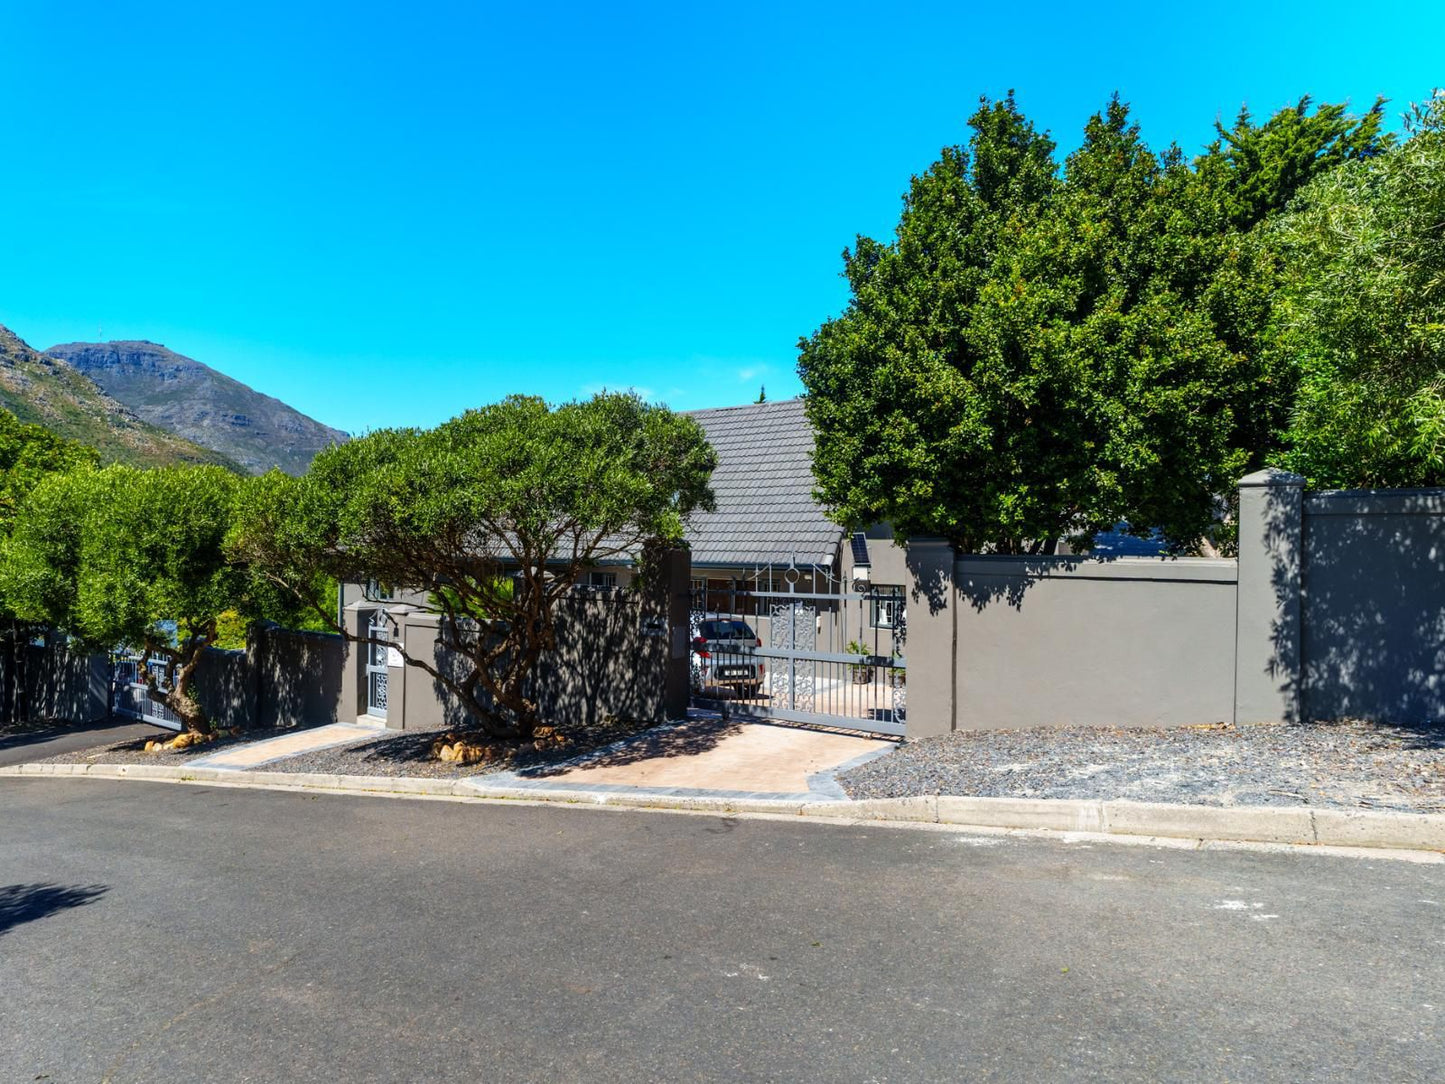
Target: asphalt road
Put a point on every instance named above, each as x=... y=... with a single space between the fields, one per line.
x=153 y=932
x=39 y=744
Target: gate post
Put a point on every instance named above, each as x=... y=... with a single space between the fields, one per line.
x=932 y=650
x=676 y=572
x=1267 y=631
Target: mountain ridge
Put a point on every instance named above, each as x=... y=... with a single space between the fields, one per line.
x=200 y=404
x=48 y=391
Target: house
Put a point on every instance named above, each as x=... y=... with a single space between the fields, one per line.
x=820 y=598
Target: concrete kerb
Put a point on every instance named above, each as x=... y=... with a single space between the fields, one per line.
x=1288 y=825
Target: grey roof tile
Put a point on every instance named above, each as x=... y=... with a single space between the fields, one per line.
x=764 y=490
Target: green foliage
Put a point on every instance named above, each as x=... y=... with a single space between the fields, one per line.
x=495 y=514
x=1041 y=353
x=1362 y=311
x=113 y=556
x=27 y=454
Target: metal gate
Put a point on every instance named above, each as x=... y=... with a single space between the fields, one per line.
x=377 y=629
x=796 y=645
x=129 y=695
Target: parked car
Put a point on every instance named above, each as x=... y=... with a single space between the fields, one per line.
x=722 y=654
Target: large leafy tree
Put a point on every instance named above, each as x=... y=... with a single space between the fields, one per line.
x=495 y=514
x=1362 y=311
x=123 y=557
x=28 y=454
x=1043 y=352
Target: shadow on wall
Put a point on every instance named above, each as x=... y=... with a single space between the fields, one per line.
x=301 y=676
x=1023 y=573
x=23 y=903
x=1372 y=628
x=603 y=665
x=287 y=679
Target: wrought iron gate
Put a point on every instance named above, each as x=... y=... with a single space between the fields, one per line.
x=129 y=695
x=796 y=645
x=376 y=662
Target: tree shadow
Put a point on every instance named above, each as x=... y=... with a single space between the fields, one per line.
x=697 y=736
x=21 y=903
x=1370 y=632
x=603 y=664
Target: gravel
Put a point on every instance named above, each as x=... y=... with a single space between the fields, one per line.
x=1350 y=765
x=133 y=751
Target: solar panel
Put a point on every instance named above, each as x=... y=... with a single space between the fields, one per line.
x=860 y=550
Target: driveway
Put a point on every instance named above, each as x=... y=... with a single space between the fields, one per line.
x=37 y=745
x=161 y=932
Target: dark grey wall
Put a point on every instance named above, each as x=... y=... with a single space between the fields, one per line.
x=65 y=685
x=619 y=652
x=301 y=676
x=1373 y=606
x=226 y=687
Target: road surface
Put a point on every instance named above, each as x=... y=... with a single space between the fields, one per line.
x=154 y=932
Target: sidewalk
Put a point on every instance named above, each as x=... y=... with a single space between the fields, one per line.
x=704 y=764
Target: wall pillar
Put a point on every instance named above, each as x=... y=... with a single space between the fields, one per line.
x=418 y=632
x=676 y=574
x=931 y=649
x=351 y=705
x=1267 y=657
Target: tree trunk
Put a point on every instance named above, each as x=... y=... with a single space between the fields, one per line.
x=178 y=696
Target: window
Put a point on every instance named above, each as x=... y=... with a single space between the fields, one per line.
x=376 y=591
x=601 y=579
x=886 y=608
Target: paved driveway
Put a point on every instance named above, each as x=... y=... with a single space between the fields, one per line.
x=170 y=933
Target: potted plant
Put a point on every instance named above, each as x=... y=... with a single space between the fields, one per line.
x=860 y=672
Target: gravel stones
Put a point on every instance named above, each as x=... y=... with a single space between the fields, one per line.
x=1349 y=765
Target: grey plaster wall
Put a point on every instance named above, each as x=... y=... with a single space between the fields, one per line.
x=619 y=652
x=1373 y=606
x=228 y=687
x=1076 y=641
x=1335 y=608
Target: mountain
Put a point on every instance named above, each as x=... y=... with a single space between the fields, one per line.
x=193 y=400
x=47 y=391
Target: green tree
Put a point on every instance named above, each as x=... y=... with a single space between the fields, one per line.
x=495 y=514
x=1042 y=352
x=1362 y=311
x=28 y=454
x=123 y=557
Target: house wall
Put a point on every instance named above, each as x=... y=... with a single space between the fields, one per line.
x=888 y=561
x=1334 y=608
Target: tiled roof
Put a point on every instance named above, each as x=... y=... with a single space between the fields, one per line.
x=764 y=489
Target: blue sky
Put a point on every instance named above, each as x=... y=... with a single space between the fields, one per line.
x=384 y=214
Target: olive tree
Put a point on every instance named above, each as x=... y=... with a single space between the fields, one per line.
x=123 y=557
x=495 y=514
